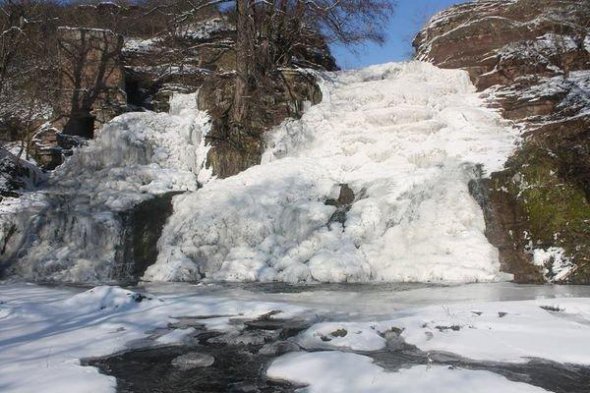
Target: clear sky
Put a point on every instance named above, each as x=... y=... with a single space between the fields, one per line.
x=410 y=16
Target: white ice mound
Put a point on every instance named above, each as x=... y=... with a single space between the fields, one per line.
x=406 y=138
x=104 y=299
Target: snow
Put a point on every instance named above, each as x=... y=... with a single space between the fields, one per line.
x=350 y=335
x=45 y=331
x=336 y=372
x=555 y=264
x=505 y=332
x=141 y=45
x=511 y=332
x=406 y=138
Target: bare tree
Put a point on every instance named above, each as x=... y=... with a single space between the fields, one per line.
x=27 y=64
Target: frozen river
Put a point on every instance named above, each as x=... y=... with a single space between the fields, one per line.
x=250 y=337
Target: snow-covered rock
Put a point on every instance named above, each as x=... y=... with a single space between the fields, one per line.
x=17 y=175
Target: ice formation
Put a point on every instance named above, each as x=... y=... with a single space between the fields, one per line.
x=406 y=138
x=72 y=230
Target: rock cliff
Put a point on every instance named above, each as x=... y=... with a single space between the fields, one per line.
x=202 y=58
x=103 y=72
x=531 y=59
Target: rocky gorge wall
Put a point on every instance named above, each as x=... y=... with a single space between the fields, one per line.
x=531 y=60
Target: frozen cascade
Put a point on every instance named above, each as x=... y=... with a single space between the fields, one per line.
x=405 y=138
x=77 y=228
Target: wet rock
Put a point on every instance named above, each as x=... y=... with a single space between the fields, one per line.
x=280 y=95
x=193 y=360
x=342 y=204
x=142 y=227
x=279 y=348
x=339 y=333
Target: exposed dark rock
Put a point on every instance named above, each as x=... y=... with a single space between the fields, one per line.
x=92 y=82
x=282 y=95
x=142 y=227
x=535 y=64
x=342 y=204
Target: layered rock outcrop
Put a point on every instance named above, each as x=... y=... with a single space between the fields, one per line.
x=532 y=61
x=103 y=74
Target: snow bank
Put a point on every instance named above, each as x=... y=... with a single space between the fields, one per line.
x=336 y=372
x=505 y=332
x=512 y=332
x=354 y=336
x=406 y=138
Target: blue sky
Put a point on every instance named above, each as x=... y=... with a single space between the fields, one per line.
x=409 y=17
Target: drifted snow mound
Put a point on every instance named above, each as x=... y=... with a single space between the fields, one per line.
x=103 y=299
x=74 y=229
x=406 y=138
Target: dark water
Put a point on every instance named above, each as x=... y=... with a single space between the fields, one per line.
x=242 y=357
x=239 y=367
x=554 y=377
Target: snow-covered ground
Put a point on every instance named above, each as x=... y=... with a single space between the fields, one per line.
x=44 y=332
x=405 y=138
x=337 y=372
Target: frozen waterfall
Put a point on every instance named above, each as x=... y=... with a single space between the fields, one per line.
x=78 y=227
x=370 y=185
x=405 y=138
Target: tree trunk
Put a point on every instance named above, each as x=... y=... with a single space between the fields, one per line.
x=245 y=61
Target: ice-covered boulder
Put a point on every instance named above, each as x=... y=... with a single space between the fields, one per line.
x=17 y=175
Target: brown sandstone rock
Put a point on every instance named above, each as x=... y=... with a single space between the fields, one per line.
x=282 y=96
x=92 y=83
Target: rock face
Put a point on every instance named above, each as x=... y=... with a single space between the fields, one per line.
x=92 y=82
x=202 y=58
x=283 y=95
x=532 y=61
